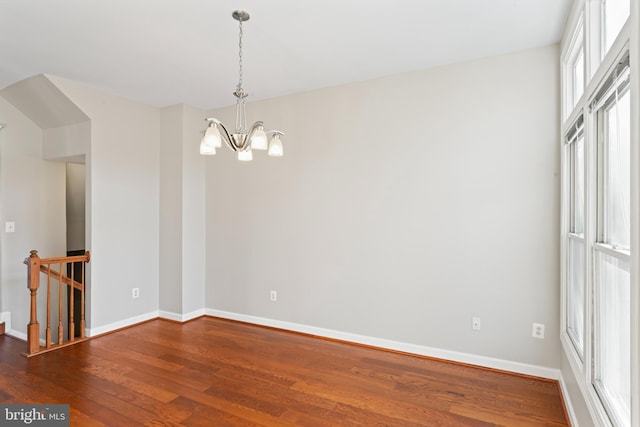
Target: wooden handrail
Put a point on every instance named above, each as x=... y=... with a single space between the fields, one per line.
x=37 y=265
x=65 y=279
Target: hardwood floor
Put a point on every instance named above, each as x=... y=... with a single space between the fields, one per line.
x=214 y=372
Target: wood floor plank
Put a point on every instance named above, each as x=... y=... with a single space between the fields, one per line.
x=218 y=372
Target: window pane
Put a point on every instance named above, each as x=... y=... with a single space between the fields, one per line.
x=578 y=77
x=613 y=334
x=616 y=13
x=617 y=175
x=573 y=71
x=575 y=293
x=577 y=159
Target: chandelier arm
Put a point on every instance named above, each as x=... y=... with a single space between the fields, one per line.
x=255 y=126
x=226 y=136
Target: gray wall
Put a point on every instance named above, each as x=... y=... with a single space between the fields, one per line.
x=193 y=214
x=403 y=207
x=182 y=214
x=170 y=293
x=123 y=171
x=32 y=194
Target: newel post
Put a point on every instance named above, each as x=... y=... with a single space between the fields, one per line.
x=33 y=283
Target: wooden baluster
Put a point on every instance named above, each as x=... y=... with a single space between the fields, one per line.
x=82 y=322
x=36 y=265
x=72 y=291
x=33 y=283
x=48 y=330
x=60 y=312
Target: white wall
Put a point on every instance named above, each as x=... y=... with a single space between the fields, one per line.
x=123 y=205
x=32 y=194
x=403 y=207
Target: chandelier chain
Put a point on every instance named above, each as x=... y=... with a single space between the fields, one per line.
x=240 y=60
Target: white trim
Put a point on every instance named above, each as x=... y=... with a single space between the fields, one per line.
x=568 y=56
x=17 y=334
x=568 y=405
x=6 y=318
x=634 y=55
x=596 y=410
x=484 y=361
x=122 y=323
x=181 y=317
x=170 y=316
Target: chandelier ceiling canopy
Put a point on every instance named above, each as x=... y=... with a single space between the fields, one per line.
x=242 y=141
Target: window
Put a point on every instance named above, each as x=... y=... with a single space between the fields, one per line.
x=615 y=14
x=576 y=167
x=577 y=69
x=575 y=300
x=612 y=352
x=597 y=168
x=612 y=298
x=574 y=70
x=614 y=120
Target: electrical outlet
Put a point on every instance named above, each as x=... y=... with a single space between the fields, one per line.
x=475 y=323
x=274 y=296
x=135 y=292
x=538 y=330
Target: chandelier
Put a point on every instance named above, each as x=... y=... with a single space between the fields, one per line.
x=241 y=141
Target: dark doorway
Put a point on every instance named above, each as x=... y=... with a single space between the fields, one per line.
x=76 y=224
x=76 y=270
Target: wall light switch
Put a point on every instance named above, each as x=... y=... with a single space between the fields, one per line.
x=9 y=227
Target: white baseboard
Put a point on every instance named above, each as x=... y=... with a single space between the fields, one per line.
x=17 y=334
x=181 y=317
x=6 y=318
x=488 y=362
x=122 y=323
x=484 y=361
x=567 y=401
x=472 y=359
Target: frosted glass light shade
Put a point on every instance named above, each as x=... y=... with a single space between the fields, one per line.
x=245 y=155
x=259 y=139
x=206 y=148
x=275 y=146
x=212 y=136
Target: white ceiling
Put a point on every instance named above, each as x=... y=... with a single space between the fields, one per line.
x=164 y=52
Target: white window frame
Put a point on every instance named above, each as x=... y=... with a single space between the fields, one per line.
x=605 y=97
x=588 y=14
x=575 y=133
x=575 y=48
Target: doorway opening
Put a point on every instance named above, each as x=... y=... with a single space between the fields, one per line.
x=76 y=214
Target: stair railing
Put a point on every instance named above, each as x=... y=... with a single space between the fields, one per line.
x=37 y=266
